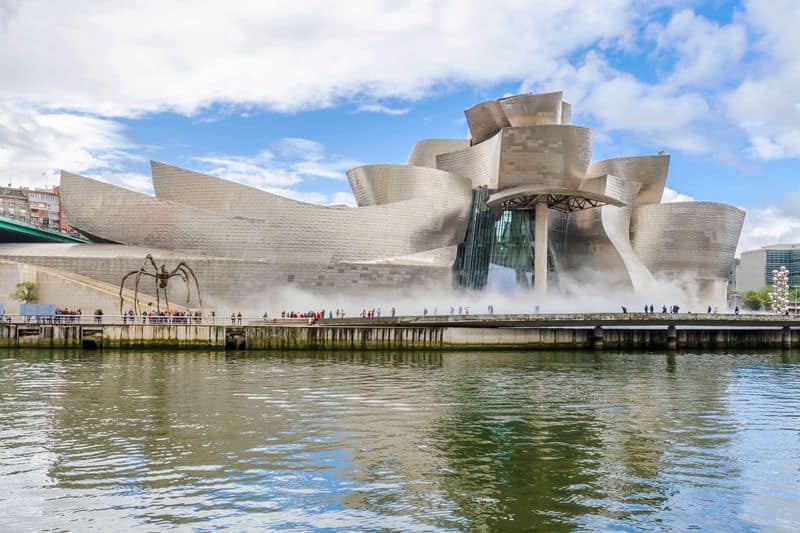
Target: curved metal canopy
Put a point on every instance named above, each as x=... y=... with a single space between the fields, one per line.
x=525 y=197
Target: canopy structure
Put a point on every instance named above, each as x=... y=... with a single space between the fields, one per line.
x=540 y=199
x=525 y=197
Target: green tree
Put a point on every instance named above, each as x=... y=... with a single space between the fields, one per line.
x=26 y=292
x=756 y=300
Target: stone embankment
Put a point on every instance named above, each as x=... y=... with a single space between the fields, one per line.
x=630 y=331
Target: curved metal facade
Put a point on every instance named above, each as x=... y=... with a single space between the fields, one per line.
x=532 y=109
x=196 y=212
x=649 y=170
x=485 y=120
x=425 y=151
x=479 y=163
x=384 y=184
x=696 y=239
x=546 y=156
x=457 y=207
x=597 y=244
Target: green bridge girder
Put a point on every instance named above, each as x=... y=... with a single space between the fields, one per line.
x=16 y=231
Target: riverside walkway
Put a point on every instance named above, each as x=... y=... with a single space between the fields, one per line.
x=596 y=331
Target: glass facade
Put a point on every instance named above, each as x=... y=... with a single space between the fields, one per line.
x=788 y=257
x=505 y=240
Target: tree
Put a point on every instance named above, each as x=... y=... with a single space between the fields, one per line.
x=756 y=300
x=26 y=292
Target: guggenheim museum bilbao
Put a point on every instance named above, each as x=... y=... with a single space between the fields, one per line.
x=520 y=195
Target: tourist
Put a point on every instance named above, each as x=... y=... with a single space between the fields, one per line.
x=663 y=309
x=736 y=310
x=239 y=318
x=393 y=312
x=709 y=309
x=651 y=308
x=425 y=312
x=624 y=310
x=233 y=318
x=645 y=309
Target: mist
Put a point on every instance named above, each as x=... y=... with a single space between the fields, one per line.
x=564 y=296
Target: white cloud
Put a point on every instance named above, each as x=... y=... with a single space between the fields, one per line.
x=618 y=101
x=767 y=103
x=385 y=109
x=121 y=59
x=289 y=163
x=708 y=52
x=671 y=195
x=343 y=198
x=259 y=170
x=35 y=144
x=769 y=225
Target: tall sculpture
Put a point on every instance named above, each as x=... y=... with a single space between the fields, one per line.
x=161 y=277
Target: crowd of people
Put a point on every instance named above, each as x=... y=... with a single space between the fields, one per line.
x=67 y=316
x=160 y=317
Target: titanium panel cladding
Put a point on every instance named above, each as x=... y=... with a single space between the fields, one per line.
x=649 y=170
x=384 y=184
x=546 y=156
x=424 y=152
x=532 y=109
x=287 y=231
x=695 y=239
x=485 y=120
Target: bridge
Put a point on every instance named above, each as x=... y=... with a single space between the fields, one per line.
x=16 y=231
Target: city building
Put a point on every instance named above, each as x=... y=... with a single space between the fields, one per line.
x=38 y=207
x=754 y=270
x=14 y=204
x=521 y=197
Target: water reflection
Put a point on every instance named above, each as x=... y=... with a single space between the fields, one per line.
x=399 y=440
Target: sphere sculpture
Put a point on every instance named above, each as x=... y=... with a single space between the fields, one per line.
x=779 y=297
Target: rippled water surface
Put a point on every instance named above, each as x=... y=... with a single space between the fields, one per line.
x=487 y=441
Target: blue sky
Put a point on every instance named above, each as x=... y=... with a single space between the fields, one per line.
x=288 y=97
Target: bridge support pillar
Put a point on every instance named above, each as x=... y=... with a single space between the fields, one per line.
x=786 y=337
x=597 y=338
x=672 y=338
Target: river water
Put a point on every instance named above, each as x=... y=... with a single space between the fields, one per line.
x=397 y=441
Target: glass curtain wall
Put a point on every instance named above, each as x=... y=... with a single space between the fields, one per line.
x=505 y=240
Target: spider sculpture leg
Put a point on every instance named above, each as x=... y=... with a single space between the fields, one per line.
x=143 y=270
x=183 y=266
x=122 y=287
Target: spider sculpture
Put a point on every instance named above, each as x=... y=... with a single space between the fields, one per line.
x=161 y=277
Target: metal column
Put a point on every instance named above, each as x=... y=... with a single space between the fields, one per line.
x=540 y=249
